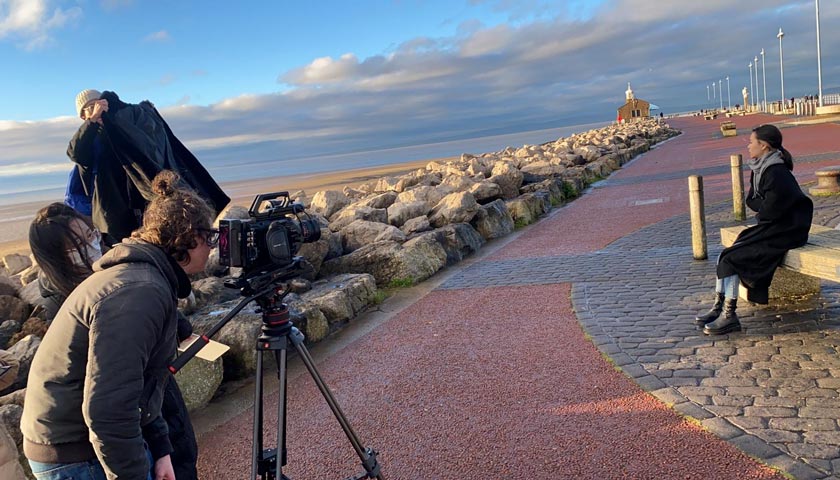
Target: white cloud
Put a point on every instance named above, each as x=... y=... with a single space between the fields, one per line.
x=159 y=36
x=488 y=79
x=32 y=22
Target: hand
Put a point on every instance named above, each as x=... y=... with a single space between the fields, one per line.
x=163 y=469
x=99 y=107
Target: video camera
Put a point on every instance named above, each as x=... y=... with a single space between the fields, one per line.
x=270 y=238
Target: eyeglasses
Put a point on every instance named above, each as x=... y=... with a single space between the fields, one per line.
x=211 y=237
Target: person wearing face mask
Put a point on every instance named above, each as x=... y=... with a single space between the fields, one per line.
x=783 y=213
x=66 y=245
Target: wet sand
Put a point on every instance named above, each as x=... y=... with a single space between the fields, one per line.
x=13 y=232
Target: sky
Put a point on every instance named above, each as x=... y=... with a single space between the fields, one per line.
x=255 y=82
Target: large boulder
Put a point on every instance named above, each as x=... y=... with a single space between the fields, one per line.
x=548 y=187
x=486 y=192
x=16 y=263
x=508 y=178
x=456 y=207
x=315 y=252
x=328 y=202
x=342 y=297
x=401 y=212
x=382 y=200
x=199 y=380
x=526 y=209
x=416 y=225
x=7 y=330
x=493 y=220
x=240 y=334
x=362 y=232
x=414 y=261
x=309 y=320
x=13 y=308
x=24 y=351
x=430 y=195
x=458 y=240
x=458 y=183
x=355 y=212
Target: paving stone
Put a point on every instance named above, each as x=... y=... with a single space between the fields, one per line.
x=803 y=424
x=796 y=468
x=722 y=428
x=691 y=410
x=769 y=412
x=755 y=446
x=810 y=450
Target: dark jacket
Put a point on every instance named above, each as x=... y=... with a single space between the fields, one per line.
x=174 y=409
x=136 y=145
x=784 y=214
x=96 y=383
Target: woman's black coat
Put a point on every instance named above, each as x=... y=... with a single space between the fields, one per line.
x=784 y=215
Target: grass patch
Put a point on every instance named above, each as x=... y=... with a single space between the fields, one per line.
x=569 y=190
x=519 y=223
x=401 y=283
x=379 y=297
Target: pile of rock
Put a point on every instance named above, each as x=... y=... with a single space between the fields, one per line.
x=392 y=231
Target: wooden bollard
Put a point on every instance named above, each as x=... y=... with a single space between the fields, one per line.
x=737 y=188
x=698 y=217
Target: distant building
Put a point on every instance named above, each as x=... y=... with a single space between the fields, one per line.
x=634 y=109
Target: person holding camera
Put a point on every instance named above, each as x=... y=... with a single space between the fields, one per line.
x=93 y=401
x=65 y=245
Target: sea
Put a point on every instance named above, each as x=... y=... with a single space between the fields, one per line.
x=47 y=187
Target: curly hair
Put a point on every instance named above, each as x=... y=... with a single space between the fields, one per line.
x=174 y=217
x=51 y=236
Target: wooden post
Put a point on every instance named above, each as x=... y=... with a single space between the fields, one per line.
x=698 y=217
x=737 y=188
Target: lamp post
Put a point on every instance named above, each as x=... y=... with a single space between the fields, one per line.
x=819 y=62
x=781 y=35
x=756 y=97
x=714 y=92
x=752 y=92
x=764 y=77
x=708 y=95
x=720 y=93
x=728 y=94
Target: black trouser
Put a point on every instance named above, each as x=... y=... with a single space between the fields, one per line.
x=181 y=434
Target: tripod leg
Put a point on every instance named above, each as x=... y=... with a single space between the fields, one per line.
x=367 y=456
x=257 y=440
x=280 y=356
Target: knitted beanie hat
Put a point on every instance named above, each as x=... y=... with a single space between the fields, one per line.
x=84 y=97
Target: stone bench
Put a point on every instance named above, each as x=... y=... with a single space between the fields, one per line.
x=728 y=129
x=710 y=116
x=803 y=267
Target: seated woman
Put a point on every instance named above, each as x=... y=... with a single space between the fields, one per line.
x=784 y=214
x=63 y=242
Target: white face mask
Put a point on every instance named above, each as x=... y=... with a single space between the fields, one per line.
x=93 y=251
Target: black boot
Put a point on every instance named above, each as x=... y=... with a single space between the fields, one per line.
x=728 y=323
x=712 y=314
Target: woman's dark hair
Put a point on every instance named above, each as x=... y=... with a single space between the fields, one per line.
x=174 y=217
x=50 y=237
x=773 y=137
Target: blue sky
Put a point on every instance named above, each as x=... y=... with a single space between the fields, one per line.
x=272 y=81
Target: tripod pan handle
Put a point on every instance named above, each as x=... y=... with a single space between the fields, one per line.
x=189 y=353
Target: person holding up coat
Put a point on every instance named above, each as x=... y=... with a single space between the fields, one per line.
x=784 y=214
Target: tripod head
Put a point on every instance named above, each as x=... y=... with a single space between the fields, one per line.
x=266 y=287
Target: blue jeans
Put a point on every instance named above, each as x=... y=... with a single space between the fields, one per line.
x=90 y=470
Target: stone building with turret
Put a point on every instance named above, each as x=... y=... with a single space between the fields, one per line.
x=634 y=108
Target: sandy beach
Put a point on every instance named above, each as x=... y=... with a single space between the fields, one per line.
x=13 y=232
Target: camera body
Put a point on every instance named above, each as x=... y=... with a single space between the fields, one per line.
x=270 y=238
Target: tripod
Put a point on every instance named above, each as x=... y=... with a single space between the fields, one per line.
x=277 y=332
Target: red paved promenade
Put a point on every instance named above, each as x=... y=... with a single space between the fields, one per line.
x=501 y=382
